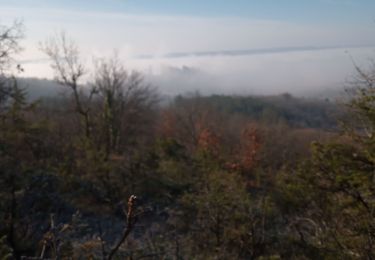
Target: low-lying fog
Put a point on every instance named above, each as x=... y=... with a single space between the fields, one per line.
x=251 y=51
x=314 y=72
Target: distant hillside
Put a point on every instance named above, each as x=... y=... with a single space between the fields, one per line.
x=297 y=112
x=39 y=88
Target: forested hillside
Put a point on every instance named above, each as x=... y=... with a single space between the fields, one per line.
x=285 y=108
x=294 y=111
x=107 y=172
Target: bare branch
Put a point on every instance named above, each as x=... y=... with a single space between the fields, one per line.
x=68 y=68
x=65 y=58
x=9 y=43
x=130 y=223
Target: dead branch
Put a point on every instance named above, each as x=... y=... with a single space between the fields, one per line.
x=131 y=220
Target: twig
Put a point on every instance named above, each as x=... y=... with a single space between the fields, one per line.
x=130 y=223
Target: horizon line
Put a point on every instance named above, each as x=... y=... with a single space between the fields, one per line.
x=255 y=51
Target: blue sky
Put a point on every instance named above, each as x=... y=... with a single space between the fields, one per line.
x=313 y=11
x=355 y=14
x=291 y=10
x=157 y=28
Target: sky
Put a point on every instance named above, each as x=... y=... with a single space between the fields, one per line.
x=214 y=46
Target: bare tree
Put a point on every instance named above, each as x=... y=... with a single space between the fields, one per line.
x=124 y=98
x=69 y=69
x=109 y=79
x=10 y=37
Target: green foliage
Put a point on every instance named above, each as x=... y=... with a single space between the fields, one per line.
x=330 y=200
